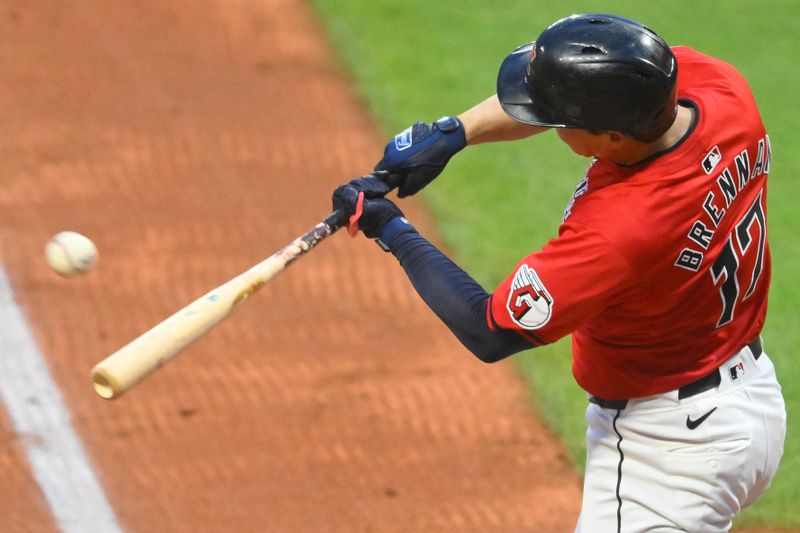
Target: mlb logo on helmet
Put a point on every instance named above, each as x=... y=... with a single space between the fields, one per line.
x=530 y=61
x=529 y=303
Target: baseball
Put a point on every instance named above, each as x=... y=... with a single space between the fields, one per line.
x=69 y=253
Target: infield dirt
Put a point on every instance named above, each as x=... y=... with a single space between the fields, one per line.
x=189 y=140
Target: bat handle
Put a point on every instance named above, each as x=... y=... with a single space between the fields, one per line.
x=335 y=220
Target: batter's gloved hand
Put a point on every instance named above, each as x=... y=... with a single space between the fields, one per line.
x=415 y=156
x=362 y=200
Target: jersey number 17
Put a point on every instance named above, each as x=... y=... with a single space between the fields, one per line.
x=725 y=269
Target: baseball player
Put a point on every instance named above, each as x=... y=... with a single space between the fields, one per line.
x=660 y=269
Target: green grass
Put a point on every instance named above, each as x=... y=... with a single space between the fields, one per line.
x=421 y=59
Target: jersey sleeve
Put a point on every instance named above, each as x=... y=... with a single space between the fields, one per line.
x=555 y=290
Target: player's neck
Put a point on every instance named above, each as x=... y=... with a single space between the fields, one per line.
x=636 y=152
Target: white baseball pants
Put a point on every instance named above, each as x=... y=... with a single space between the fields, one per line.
x=664 y=465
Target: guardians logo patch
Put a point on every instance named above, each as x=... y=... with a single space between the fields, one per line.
x=529 y=303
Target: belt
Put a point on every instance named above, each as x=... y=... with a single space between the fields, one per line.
x=703 y=384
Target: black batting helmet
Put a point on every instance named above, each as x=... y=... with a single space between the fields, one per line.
x=594 y=72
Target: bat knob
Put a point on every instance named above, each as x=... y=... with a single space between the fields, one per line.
x=104 y=384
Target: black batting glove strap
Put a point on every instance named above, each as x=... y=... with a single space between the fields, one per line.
x=415 y=156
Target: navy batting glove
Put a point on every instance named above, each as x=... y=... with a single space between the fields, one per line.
x=376 y=212
x=415 y=156
x=372 y=185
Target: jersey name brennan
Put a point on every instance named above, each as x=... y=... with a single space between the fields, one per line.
x=725 y=191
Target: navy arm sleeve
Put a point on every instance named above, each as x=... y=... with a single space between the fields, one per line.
x=457 y=299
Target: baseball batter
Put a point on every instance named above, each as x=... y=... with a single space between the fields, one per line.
x=660 y=270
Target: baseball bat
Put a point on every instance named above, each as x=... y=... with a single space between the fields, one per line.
x=133 y=362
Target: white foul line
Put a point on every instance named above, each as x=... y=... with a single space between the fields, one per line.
x=42 y=424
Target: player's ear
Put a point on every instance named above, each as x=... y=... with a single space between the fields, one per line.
x=616 y=137
x=613 y=137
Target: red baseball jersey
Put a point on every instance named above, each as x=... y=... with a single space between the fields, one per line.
x=660 y=270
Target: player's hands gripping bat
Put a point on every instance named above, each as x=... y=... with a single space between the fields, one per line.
x=363 y=200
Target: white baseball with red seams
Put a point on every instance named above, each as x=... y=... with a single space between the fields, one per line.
x=69 y=253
